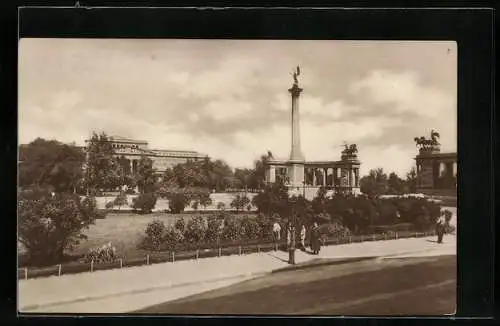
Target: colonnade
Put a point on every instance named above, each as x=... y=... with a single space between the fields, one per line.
x=320 y=176
x=130 y=165
x=332 y=176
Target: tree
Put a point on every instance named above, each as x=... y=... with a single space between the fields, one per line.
x=375 y=183
x=144 y=202
x=273 y=199
x=205 y=201
x=51 y=164
x=145 y=175
x=50 y=224
x=179 y=198
x=103 y=169
x=411 y=180
x=395 y=185
x=244 y=176
x=257 y=178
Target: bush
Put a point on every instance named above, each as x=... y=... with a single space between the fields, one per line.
x=177 y=203
x=180 y=224
x=50 y=224
x=250 y=228
x=103 y=254
x=221 y=206
x=232 y=230
x=447 y=215
x=334 y=230
x=155 y=232
x=172 y=238
x=215 y=227
x=265 y=226
x=121 y=200
x=240 y=202
x=109 y=205
x=195 y=230
x=144 y=202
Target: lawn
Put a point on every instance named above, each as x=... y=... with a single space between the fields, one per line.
x=124 y=230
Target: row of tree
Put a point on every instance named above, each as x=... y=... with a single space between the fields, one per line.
x=69 y=168
x=377 y=182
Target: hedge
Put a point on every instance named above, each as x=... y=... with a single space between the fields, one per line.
x=246 y=247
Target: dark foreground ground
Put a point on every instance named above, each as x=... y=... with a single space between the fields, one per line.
x=409 y=286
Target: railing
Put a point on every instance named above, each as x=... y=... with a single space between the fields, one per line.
x=203 y=252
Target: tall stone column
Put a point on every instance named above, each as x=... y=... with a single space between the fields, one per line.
x=296 y=151
x=356 y=177
x=349 y=171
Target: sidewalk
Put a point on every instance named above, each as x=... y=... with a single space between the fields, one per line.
x=121 y=290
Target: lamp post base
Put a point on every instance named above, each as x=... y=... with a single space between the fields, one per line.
x=291 y=256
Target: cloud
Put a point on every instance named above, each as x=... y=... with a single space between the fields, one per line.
x=228 y=109
x=403 y=92
x=230 y=98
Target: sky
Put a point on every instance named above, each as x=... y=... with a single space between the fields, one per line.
x=229 y=98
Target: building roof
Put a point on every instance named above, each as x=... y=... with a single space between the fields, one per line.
x=127 y=140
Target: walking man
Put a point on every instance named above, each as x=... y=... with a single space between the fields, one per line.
x=440 y=228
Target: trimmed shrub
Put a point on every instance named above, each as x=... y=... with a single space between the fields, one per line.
x=265 y=226
x=195 y=230
x=109 y=205
x=155 y=232
x=172 y=238
x=232 y=230
x=334 y=230
x=180 y=224
x=215 y=227
x=250 y=228
x=221 y=206
x=144 y=203
x=240 y=202
x=177 y=202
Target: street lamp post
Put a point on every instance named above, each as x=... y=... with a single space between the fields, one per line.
x=291 y=249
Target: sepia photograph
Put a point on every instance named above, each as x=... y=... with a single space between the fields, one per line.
x=237 y=177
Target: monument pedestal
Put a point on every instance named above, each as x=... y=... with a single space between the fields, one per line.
x=296 y=174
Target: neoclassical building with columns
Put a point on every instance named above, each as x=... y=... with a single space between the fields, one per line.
x=131 y=151
x=307 y=177
x=436 y=171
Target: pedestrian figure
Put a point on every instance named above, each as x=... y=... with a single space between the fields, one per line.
x=276 y=232
x=440 y=228
x=315 y=239
x=303 y=238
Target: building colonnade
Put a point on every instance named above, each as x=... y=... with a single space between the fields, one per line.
x=315 y=176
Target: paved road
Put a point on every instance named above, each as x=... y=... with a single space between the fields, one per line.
x=384 y=286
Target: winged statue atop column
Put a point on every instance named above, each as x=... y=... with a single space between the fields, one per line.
x=295 y=74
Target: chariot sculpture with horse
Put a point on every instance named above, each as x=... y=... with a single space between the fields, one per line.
x=350 y=151
x=428 y=145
